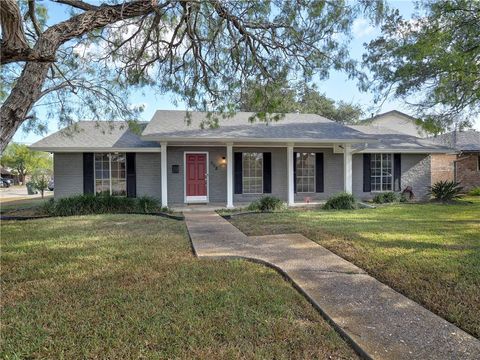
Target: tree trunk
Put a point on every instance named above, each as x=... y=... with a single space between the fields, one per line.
x=28 y=88
x=21 y=100
x=12 y=26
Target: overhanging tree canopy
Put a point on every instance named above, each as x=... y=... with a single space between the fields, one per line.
x=201 y=50
x=283 y=97
x=432 y=61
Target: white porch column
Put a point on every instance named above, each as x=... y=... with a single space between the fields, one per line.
x=230 y=176
x=347 y=168
x=164 y=172
x=291 y=190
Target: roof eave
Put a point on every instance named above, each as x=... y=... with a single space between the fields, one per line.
x=407 y=151
x=160 y=138
x=93 y=149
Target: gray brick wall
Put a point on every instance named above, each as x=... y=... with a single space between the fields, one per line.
x=148 y=172
x=68 y=173
x=415 y=173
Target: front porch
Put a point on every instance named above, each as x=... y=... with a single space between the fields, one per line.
x=234 y=174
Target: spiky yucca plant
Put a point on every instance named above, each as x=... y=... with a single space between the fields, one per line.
x=445 y=190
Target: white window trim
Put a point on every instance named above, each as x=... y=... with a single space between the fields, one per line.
x=243 y=174
x=109 y=172
x=381 y=177
x=314 y=173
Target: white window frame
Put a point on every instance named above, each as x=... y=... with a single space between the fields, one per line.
x=308 y=177
x=381 y=171
x=109 y=154
x=243 y=173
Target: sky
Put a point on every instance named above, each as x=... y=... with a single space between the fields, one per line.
x=337 y=86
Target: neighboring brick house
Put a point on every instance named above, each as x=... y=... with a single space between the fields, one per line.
x=463 y=167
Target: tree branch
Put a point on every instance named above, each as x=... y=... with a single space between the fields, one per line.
x=31 y=13
x=78 y=4
x=26 y=54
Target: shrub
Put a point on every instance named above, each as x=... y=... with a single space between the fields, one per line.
x=475 y=191
x=147 y=204
x=266 y=203
x=341 y=201
x=386 y=197
x=166 y=209
x=254 y=206
x=101 y=204
x=445 y=190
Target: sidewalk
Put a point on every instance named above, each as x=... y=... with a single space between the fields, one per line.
x=379 y=322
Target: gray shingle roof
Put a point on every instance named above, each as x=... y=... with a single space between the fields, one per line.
x=468 y=140
x=172 y=125
x=94 y=135
x=392 y=140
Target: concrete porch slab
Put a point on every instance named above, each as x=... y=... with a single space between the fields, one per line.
x=218 y=206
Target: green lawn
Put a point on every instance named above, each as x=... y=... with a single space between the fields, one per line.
x=128 y=286
x=23 y=207
x=429 y=252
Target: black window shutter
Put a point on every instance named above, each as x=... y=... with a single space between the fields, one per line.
x=131 y=175
x=319 y=172
x=88 y=174
x=397 y=172
x=294 y=172
x=238 y=169
x=367 y=186
x=267 y=172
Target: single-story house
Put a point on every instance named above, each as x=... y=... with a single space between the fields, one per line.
x=300 y=158
x=464 y=166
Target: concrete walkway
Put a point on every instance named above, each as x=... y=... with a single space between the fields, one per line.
x=379 y=322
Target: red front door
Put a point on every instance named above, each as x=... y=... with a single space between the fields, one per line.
x=196 y=176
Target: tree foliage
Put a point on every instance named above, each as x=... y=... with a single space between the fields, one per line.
x=40 y=180
x=270 y=99
x=24 y=161
x=431 y=61
x=200 y=51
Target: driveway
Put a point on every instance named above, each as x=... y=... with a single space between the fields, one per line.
x=18 y=192
x=379 y=322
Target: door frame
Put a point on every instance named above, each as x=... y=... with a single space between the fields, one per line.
x=196 y=199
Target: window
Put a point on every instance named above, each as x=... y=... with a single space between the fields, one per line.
x=305 y=163
x=382 y=172
x=478 y=162
x=110 y=174
x=252 y=164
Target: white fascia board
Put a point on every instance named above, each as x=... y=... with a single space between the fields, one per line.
x=405 y=151
x=99 y=149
